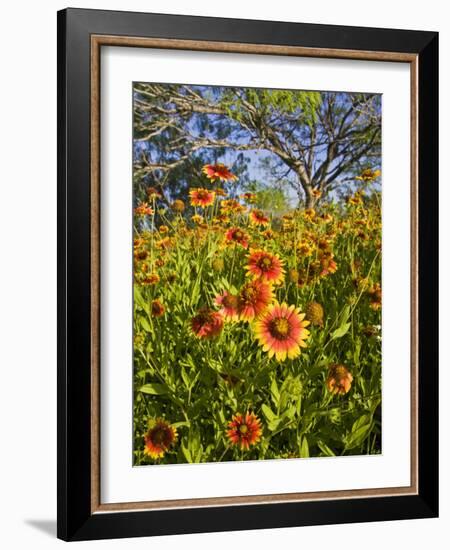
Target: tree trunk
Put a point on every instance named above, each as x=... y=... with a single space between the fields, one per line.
x=309 y=198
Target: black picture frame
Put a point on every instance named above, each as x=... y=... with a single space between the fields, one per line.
x=75 y=518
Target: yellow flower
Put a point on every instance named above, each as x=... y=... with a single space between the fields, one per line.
x=369 y=175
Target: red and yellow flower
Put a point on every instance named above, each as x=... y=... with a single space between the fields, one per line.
x=244 y=430
x=265 y=266
x=305 y=248
x=282 y=332
x=356 y=199
x=157 y=308
x=236 y=235
x=202 y=197
x=197 y=219
x=159 y=438
x=375 y=296
x=151 y=279
x=249 y=197
x=164 y=244
x=310 y=214
x=327 y=264
x=229 y=305
x=257 y=217
x=253 y=299
x=218 y=172
x=368 y=175
x=143 y=209
x=232 y=206
x=268 y=234
x=207 y=323
x=339 y=379
x=153 y=193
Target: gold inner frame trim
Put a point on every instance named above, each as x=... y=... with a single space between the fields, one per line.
x=97 y=41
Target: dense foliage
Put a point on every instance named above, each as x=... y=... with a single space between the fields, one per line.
x=256 y=333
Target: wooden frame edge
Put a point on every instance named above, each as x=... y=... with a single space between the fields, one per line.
x=236 y=47
x=230 y=47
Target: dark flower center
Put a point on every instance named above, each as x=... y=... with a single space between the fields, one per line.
x=279 y=328
x=248 y=294
x=265 y=263
x=159 y=435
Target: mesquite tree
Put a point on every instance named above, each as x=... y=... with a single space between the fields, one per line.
x=311 y=140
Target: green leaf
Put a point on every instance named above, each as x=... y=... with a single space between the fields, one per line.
x=341 y=331
x=185 y=378
x=268 y=413
x=272 y=419
x=275 y=392
x=180 y=424
x=325 y=449
x=304 y=448
x=290 y=412
x=187 y=453
x=139 y=300
x=357 y=351
x=360 y=430
x=154 y=389
x=145 y=324
x=345 y=314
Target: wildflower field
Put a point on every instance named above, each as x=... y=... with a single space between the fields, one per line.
x=257 y=330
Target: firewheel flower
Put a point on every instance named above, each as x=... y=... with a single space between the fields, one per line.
x=157 y=308
x=231 y=206
x=249 y=197
x=143 y=210
x=159 y=438
x=151 y=279
x=207 y=323
x=236 y=235
x=265 y=266
x=196 y=218
x=281 y=330
x=339 y=379
x=326 y=265
x=253 y=299
x=218 y=172
x=153 y=193
x=257 y=217
x=375 y=296
x=244 y=430
x=201 y=197
x=229 y=305
x=368 y=175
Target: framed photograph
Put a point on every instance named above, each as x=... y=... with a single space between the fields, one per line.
x=247 y=254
